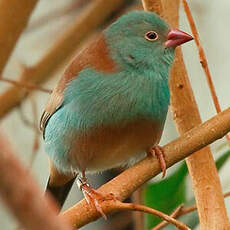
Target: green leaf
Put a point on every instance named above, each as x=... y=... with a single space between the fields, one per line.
x=222 y=159
x=166 y=195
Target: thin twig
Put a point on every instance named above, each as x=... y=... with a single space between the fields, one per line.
x=174 y=214
x=203 y=60
x=142 y=208
x=28 y=86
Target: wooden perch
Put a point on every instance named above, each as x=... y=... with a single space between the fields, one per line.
x=201 y=165
x=23 y=196
x=85 y=23
x=14 y=17
x=127 y=182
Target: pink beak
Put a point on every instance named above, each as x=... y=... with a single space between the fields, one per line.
x=176 y=38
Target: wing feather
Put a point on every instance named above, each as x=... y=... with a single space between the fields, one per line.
x=53 y=105
x=94 y=55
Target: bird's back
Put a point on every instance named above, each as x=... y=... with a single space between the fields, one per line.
x=95 y=55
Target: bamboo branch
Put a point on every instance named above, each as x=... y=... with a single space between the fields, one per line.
x=89 y=19
x=203 y=59
x=23 y=196
x=204 y=176
x=14 y=16
x=128 y=181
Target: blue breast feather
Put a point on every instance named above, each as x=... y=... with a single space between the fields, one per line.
x=94 y=98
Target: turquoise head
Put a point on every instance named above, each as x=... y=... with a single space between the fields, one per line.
x=142 y=39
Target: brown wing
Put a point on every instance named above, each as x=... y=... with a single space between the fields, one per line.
x=95 y=55
x=53 y=104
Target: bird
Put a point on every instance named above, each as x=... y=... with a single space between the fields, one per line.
x=109 y=108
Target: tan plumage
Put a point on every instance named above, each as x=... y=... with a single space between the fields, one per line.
x=95 y=55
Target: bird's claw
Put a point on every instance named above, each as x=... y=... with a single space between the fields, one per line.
x=159 y=153
x=94 y=197
x=81 y=182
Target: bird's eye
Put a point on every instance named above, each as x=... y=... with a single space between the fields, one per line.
x=151 y=36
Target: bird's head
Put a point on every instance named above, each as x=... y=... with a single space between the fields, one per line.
x=142 y=39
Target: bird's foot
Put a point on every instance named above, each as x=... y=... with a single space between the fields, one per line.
x=157 y=151
x=94 y=197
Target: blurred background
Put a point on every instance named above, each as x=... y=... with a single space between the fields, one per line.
x=49 y=23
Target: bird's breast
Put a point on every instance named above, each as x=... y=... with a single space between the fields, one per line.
x=110 y=119
x=109 y=146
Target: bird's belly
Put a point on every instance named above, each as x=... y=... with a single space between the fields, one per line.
x=113 y=145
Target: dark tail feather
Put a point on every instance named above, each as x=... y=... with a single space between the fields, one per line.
x=61 y=192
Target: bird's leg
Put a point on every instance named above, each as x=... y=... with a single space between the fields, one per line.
x=159 y=153
x=92 y=196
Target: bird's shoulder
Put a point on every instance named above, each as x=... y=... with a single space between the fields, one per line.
x=95 y=55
